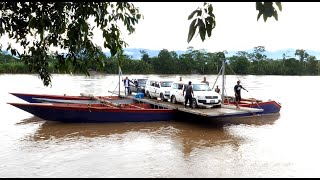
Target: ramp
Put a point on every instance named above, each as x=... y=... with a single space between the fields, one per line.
x=224 y=111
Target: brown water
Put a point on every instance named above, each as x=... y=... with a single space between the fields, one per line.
x=284 y=145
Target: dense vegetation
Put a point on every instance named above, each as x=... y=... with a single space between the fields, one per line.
x=193 y=61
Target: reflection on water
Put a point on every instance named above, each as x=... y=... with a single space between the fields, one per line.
x=191 y=135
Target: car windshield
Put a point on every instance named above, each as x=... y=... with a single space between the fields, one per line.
x=142 y=82
x=166 y=83
x=201 y=87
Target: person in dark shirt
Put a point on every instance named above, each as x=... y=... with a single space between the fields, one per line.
x=189 y=95
x=237 y=91
x=217 y=89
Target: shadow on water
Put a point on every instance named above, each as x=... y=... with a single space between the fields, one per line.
x=190 y=135
x=218 y=122
x=31 y=120
x=51 y=129
x=213 y=132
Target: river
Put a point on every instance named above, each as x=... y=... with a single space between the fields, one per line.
x=283 y=145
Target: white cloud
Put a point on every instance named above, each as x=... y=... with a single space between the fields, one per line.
x=165 y=25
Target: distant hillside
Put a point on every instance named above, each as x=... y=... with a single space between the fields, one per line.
x=279 y=54
x=134 y=53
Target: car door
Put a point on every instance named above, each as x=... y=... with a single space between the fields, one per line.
x=151 y=88
x=133 y=86
x=156 y=90
x=173 y=90
x=179 y=95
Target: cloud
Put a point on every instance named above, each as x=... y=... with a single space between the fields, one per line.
x=165 y=26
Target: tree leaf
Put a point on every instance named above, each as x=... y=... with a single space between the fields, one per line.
x=259 y=15
x=259 y=6
x=279 y=5
x=210 y=8
x=265 y=17
x=275 y=15
x=202 y=30
x=192 y=30
x=192 y=14
x=209 y=30
x=199 y=12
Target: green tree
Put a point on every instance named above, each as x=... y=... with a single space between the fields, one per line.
x=65 y=25
x=185 y=63
x=311 y=66
x=239 y=64
x=145 y=56
x=303 y=56
x=164 y=63
x=292 y=66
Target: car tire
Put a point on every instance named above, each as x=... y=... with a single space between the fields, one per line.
x=173 y=99
x=148 y=94
x=194 y=103
x=162 y=96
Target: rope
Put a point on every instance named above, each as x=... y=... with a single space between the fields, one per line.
x=233 y=72
x=216 y=78
x=121 y=77
x=118 y=85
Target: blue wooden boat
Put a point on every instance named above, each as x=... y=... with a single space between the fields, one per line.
x=97 y=113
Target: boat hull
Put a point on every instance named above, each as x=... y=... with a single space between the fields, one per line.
x=31 y=97
x=76 y=113
x=46 y=98
x=269 y=107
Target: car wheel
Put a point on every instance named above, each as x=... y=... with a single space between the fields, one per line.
x=162 y=96
x=173 y=99
x=148 y=94
x=194 y=103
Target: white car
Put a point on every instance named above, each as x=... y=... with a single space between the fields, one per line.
x=158 y=88
x=204 y=96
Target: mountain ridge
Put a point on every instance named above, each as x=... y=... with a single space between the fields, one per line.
x=135 y=53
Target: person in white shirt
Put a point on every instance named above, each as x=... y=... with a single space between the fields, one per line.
x=126 y=82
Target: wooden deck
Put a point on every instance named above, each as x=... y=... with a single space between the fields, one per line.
x=225 y=110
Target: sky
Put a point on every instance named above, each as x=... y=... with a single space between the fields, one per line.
x=165 y=26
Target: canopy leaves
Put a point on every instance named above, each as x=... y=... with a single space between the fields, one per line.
x=36 y=26
x=203 y=18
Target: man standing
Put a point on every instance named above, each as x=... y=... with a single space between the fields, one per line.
x=237 y=91
x=127 y=90
x=205 y=81
x=189 y=95
x=217 y=89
